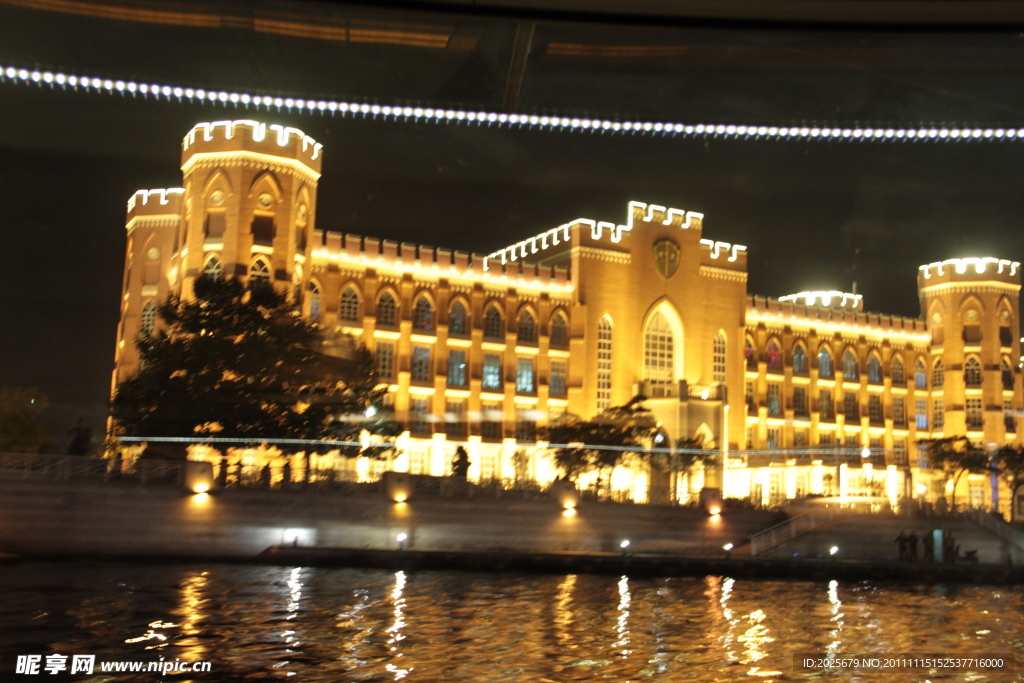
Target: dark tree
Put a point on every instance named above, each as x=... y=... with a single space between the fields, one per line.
x=236 y=364
x=1010 y=462
x=20 y=431
x=955 y=455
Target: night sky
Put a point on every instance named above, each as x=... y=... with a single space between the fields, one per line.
x=815 y=215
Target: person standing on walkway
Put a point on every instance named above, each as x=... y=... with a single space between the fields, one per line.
x=929 y=546
x=901 y=543
x=912 y=546
x=286 y=474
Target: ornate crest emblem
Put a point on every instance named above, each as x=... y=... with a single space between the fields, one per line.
x=666 y=257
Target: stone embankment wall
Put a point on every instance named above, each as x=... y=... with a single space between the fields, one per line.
x=126 y=518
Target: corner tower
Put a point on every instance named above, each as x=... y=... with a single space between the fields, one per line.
x=972 y=309
x=250 y=203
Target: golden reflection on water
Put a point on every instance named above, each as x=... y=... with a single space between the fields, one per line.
x=395 y=630
x=563 y=612
x=191 y=609
x=622 y=624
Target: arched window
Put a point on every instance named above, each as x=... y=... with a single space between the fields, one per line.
x=850 y=366
x=458 y=320
x=938 y=374
x=148 y=319
x=259 y=275
x=527 y=329
x=212 y=267
x=314 y=300
x=874 y=370
x=773 y=356
x=824 y=363
x=604 y=363
x=718 y=356
x=559 y=331
x=748 y=354
x=423 y=315
x=897 y=371
x=349 y=305
x=659 y=355
x=920 y=375
x=972 y=373
x=1007 y=374
x=799 y=360
x=493 y=323
x=386 y=310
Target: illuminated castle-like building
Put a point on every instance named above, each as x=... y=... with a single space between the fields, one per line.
x=481 y=350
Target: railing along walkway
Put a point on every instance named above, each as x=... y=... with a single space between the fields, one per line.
x=775 y=536
x=63 y=467
x=1001 y=529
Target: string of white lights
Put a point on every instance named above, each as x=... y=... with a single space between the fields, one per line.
x=124 y=87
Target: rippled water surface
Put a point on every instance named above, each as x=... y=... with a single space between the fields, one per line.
x=268 y=623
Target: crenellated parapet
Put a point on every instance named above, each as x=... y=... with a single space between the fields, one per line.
x=827 y=299
x=723 y=255
x=676 y=218
x=223 y=140
x=835 y=319
x=436 y=262
x=155 y=207
x=1000 y=273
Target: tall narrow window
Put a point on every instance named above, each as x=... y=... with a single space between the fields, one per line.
x=527 y=328
x=458 y=321
x=419 y=409
x=774 y=399
x=921 y=413
x=899 y=412
x=899 y=451
x=1006 y=373
x=774 y=439
x=493 y=421
x=659 y=356
x=975 y=417
x=824 y=364
x=938 y=413
x=259 y=275
x=559 y=331
x=314 y=300
x=349 y=305
x=493 y=323
x=1005 y=337
x=421 y=364
x=456 y=368
x=718 y=355
x=972 y=373
x=263 y=230
x=385 y=360
x=800 y=401
x=874 y=370
x=938 y=374
x=212 y=267
x=386 y=313
x=423 y=315
x=920 y=376
x=213 y=227
x=526 y=426
x=850 y=367
x=604 y=363
x=799 y=360
x=525 y=382
x=455 y=419
x=850 y=407
x=773 y=356
x=492 y=372
x=147 y=320
x=1009 y=420
x=897 y=371
x=875 y=409
x=826 y=412
x=749 y=357
x=557 y=381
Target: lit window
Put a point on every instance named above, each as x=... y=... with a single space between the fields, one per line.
x=874 y=370
x=458 y=321
x=259 y=275
x=493 y=323
x=899 y=451
x=492 y=426
x=875 y=409
x=824 y=363
x=423 y=315
x=975 y=418
x=386 y=310
x=850 y=367
x=748 y=354
x=921 y=413
x=920 y=377
x=899 y=412
x=938 y=375
x=774 y=357
x=749 y=397
x=559 y=331
x=456 y=368
x=972 y=373
x=524 y=376
x=718 y=355
x=825 y=408
x=800 y=439
x=557 y=381
x=419 y=409
x=774 y=439
x=455 y=419
x=212 y=268
x=385 y=360
x=850 y=407
x=492 y=371
x=421 y=364
x=350 y=305
x=527 y=328
x=897 y=371
x=604 y=363
x=314 y=300
x=1008 y=416
x=799 y=360
x=526 y=426
x=659 y=355
x=938 y=414
x=774 y=399
x=800 y=401
x=148 y=319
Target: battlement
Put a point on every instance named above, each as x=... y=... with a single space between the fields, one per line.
x=677 y=218
x=832 y=320
x=829 y=299
x=723 y=254
x=986 y=269
x=224 y=137
x=156 y=202
x=422 y=260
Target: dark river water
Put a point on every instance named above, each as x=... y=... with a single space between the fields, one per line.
x=256 y=623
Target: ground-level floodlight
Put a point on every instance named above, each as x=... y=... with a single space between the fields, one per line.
x=728 y=550
x=198 y=476
x=398 y=486
x=401 y=538
x=565 y=493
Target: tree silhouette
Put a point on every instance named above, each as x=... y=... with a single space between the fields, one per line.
x=1010 y=463
x=955 y=455
x=20 y=431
